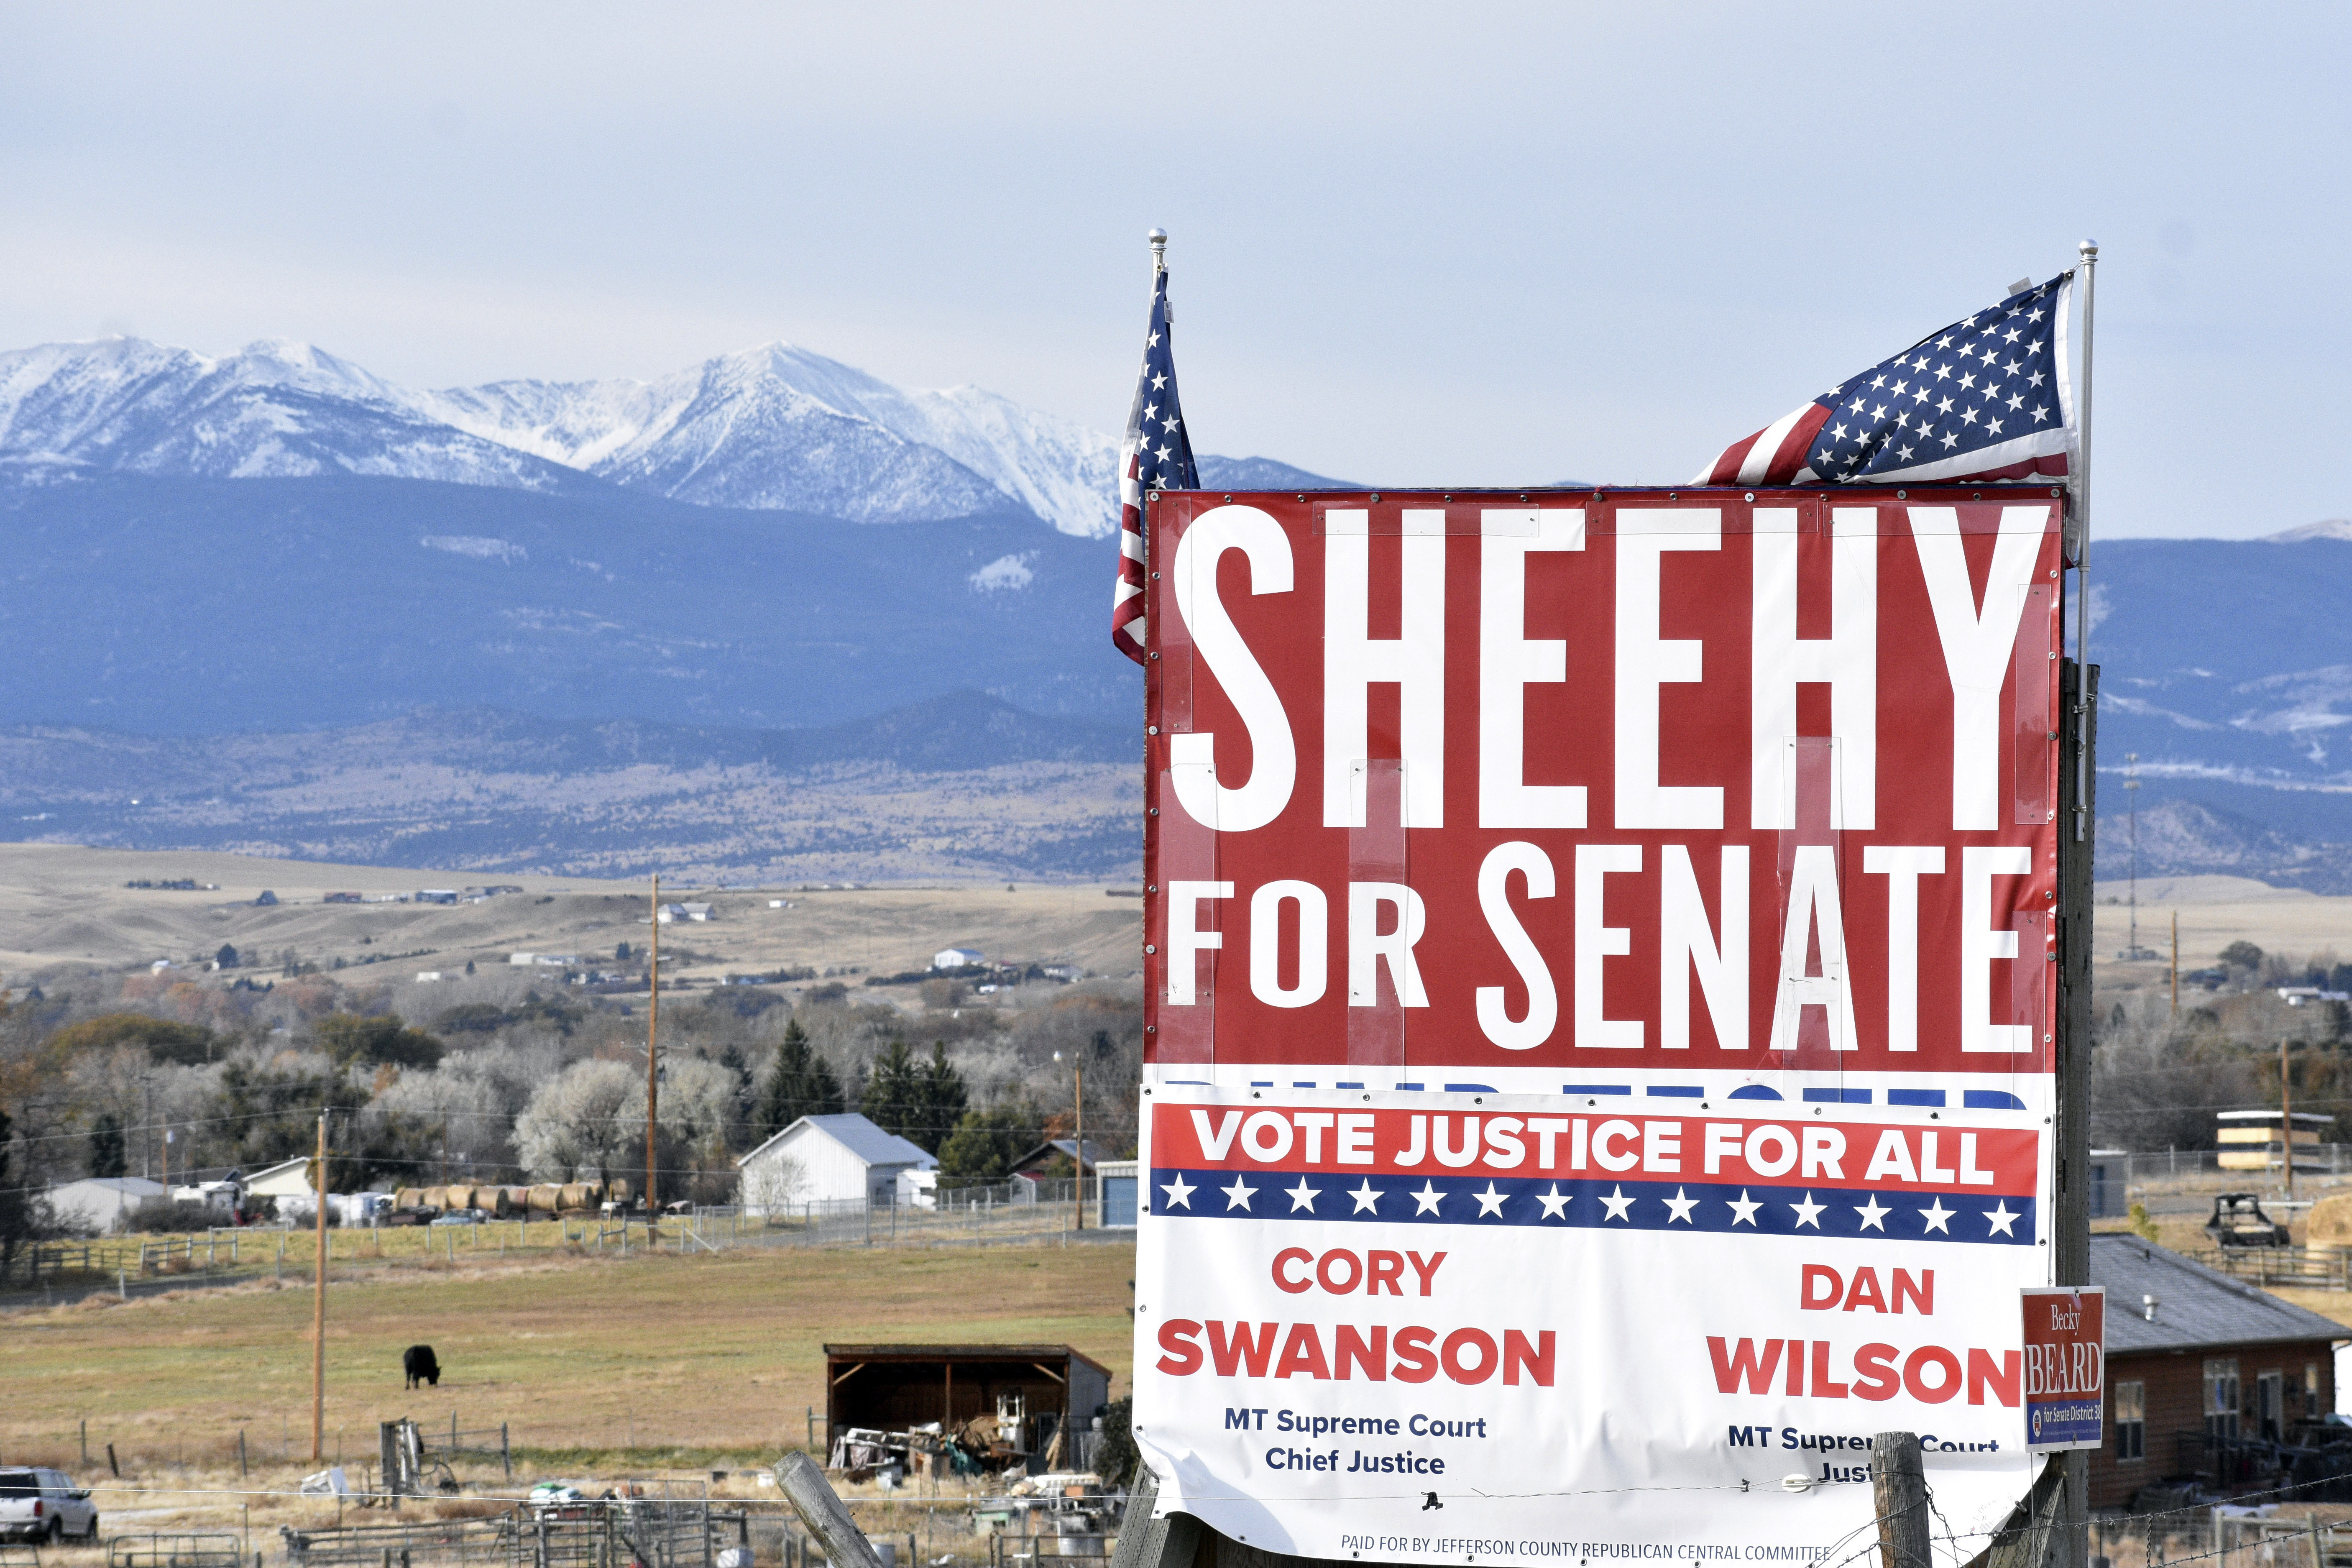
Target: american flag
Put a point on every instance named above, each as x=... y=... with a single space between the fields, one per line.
x=1157 y=454
x=1984 y=400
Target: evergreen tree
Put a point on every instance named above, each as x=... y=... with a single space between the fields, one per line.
x=985 y=1143
x=106 y=1156
x=944 y=1099
x=801 y=1083
x=894 y=1092
x=16 y=1205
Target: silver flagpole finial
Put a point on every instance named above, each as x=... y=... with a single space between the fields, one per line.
x=2088 y=250
x=1159 y=238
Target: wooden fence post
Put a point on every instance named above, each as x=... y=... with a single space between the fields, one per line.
x=823 y=1513
x=1898 y=1488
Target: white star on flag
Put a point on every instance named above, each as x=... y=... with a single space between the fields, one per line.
x=1368 y=1198
x=1303 y=1196
x=1680 y=1207
x=1179 y=1191
x=1426 y=1199
x=1808 y=1212
x=1617 y=1204
x=1490 y=1202
x=1743 y=1208
x=2000 y=1219
x=1937 y=1216
x=1555 y=1202
x=1872 y=1216
x=1238 y=1195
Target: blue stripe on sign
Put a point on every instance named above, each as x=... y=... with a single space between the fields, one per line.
x=1932 y=1096
x=1676 y=1091
x=1755 y=1091
x=1989 y=1100
x=1837 y=1097
x=1588 y=1205
x=1596 y=1088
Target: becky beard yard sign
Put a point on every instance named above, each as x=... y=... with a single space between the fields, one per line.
x=1600 y=1010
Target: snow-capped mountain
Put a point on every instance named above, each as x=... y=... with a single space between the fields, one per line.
x=777 y=427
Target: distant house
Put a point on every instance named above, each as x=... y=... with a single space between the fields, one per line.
x=436 y=895
x=1062 y=1148
x=100 y=1203
x=342 y=899
x=286 y=1179
x=2205 y=1373
x=267 y=898
x=827 y=1159
x=670 y=913
x=957 y=957
x=427 y=977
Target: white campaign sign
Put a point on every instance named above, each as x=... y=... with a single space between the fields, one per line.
x=1452 y=1327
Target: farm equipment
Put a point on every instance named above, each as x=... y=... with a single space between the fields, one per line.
x=2238 y=1221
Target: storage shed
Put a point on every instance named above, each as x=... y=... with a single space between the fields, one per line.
x=895 y=1387
x=841 y=1160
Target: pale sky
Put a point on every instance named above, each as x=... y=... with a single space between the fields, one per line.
x=1413 y=244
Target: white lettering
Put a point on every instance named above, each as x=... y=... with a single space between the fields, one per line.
x=1847 y=660
x=1813 y=915
x=1493 y=899
x=1274 y=766
x=1186 y=940
x=1977 y=644
x=1596 y=942
x=1646 y=661
x=1369 y=946
x=1684 y=945
x=1353 y=659
x=1510 y=661
x=1903 y=865
x=1980 y=944
x=1266 y=943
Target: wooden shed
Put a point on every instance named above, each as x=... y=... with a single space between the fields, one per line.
x=895 y=1387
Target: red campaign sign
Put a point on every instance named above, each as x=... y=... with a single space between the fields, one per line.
x=2065 y=1366
x=1629 y=780
x=1760 y=1151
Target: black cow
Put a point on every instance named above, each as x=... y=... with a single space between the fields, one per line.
x=418 y=1362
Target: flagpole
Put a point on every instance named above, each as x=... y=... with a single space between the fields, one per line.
x=2079 y=478
x=1159 y=252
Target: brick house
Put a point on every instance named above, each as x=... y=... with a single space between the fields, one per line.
x=2204 y=1372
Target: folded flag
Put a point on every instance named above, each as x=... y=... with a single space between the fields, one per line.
x=1984 y=400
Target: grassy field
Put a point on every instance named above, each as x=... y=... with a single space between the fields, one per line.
x=599 y=1366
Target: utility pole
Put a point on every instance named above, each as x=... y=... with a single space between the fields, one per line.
x=1080 y=1159
x=2176 y=964
x=2286 y=1118
x=1898 y=1487
x=652 y=1053
x=2131 y=793
x=319 y=1310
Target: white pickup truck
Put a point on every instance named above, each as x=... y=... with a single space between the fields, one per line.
x=45 y=1506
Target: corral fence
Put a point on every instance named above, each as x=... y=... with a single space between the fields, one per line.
x=1010 y=1550
x=642 y=1531
x=1001 y=1211
x=174 y=1552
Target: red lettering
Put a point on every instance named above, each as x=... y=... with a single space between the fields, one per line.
x=1414 y=1364
x=1926 y=1356
x=1518 y=1354
x=1349 y=1349
x=1425 y=1269
x=1875 y=1362
x=1241 y=1348
x=1488 y=1358
x=2000 y=1378
x=1183 y=1357
x=1387 y=1268
x=1796 y=1367
x=1303 y=1352
x=1822 y=1387
x=1283 y=1281
x=1323 y=1270
x=1820 y=1287
x=1864 y=1292
x=1921 y=1292
x=1734 y=1367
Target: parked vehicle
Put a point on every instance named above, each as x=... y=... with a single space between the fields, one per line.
x=45 y=1506
x=2238 y=1221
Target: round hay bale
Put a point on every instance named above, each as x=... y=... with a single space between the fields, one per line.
x=546 y=1198
x=494 y=1202
x=2329 y=1224
x=578 y=1195
x=618 y=1192
x=408 y=1198
x=437 y=1198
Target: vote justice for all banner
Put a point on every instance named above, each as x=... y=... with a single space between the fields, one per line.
x=1697 y=789
x=1435 y=1327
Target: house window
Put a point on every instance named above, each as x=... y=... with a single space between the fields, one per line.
x=2221 y=1398
x=2269 y=1405
x=2130 y=1421
x=2311 y=1411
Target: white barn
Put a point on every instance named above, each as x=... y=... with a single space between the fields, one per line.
x=100 y=1203
x=828 y=1160
x=286 y=1179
